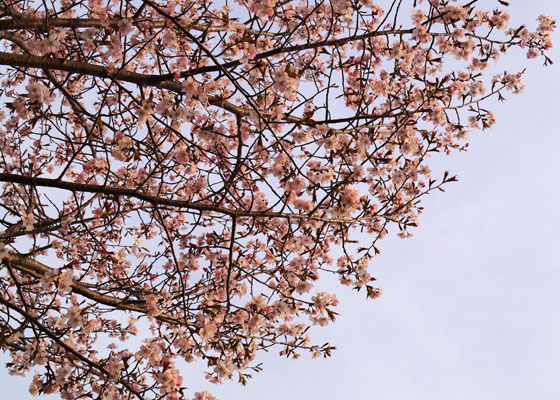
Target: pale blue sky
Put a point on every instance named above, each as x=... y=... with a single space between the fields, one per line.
x=471 y=303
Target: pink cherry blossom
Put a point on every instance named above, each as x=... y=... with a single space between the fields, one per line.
x=38 y=93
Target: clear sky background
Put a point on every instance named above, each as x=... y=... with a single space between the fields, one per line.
x=471 y=303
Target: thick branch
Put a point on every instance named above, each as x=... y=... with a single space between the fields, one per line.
x=155 y=200
x=30 y=61
x=76 y=23
x=37 y=269
x=71 y=23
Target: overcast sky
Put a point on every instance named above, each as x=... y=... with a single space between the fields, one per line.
x=471 y=303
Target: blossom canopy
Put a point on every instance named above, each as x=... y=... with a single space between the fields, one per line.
x=176 y=176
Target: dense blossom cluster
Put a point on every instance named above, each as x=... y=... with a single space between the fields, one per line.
x=177 y=175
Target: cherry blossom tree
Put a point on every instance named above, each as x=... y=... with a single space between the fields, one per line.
x=177 y=175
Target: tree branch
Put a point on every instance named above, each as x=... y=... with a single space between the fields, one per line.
x=155 y=200
x=38 y=270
